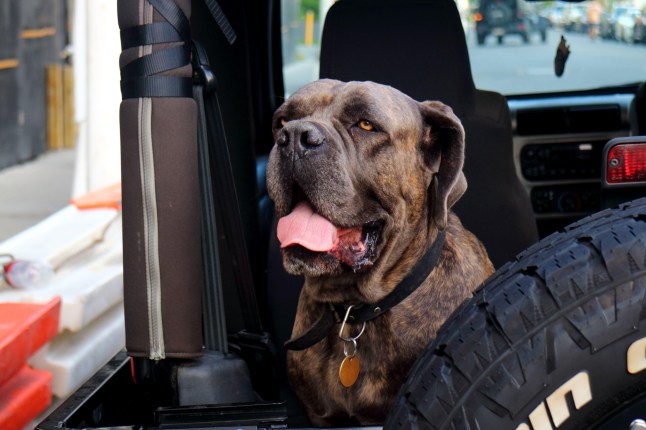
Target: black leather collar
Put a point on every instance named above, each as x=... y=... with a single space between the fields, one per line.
x=334 y=313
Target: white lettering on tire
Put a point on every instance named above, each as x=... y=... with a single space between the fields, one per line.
x=636 y=356
x=556 y=404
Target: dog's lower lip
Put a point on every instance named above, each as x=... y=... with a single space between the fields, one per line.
x=361 y=254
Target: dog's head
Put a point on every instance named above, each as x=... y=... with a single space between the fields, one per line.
x=357 y=168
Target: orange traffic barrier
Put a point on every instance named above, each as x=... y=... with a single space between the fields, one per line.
x=24 y=397
x=24 y=329
x=108 y=197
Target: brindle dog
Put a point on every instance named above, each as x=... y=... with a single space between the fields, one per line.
x=363 y=178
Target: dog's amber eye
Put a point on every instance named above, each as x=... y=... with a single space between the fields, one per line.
x=282 y=121
x=364 y=124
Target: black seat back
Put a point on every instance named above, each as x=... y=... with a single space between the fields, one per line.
x=416 y=46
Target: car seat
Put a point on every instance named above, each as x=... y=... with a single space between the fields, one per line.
x=420 y=48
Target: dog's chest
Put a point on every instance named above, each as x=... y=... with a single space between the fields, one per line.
x=384 y=359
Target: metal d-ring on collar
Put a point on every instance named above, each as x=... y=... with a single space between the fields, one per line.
x=350 y=340
x=331 y=316
x=345 y=320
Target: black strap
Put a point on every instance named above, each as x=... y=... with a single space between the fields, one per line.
x=156 y=86
x=138 y=77
x=157 y=62
x=175 y=16
x=334 y=313
x=149 y=34
x=222 y=20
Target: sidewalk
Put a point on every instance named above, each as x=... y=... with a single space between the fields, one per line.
x=32 y=191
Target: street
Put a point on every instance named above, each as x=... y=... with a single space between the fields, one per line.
x=518 y=68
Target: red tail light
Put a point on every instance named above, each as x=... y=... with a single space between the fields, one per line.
x=478 y=16
x=626 y=163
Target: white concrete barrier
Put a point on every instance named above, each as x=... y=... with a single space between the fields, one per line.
x=85 y=249
x=61 y=236
x=73 y=357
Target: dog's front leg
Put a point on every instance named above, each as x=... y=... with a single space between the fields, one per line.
x=308 y=380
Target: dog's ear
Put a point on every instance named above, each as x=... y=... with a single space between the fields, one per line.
x=443 y=147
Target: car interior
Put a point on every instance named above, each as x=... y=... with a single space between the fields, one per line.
x=533 y=161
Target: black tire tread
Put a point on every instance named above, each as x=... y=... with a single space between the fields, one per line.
x=492 y=342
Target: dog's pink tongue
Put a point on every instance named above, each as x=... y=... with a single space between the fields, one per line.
x=306 y=228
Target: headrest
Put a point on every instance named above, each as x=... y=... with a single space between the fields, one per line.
x=416 y=46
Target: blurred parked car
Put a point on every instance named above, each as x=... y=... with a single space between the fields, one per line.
x=625 y=26
x=575 y=19
x=500 y=18
x=555 y=16
x=539 y=24
x=607 y=26
x=639 y=32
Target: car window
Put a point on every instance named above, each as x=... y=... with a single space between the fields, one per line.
x=512 y=43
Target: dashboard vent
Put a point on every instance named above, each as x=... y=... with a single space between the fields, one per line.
x=580 y=119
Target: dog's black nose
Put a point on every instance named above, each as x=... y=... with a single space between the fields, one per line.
x=301 y=137
x=283 y=138
x=310 y=136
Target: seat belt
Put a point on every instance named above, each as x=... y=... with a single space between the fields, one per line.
x=252 y=343
x=215 y=329
x=225 y=196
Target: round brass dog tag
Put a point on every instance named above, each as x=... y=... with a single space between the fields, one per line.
x=349 y=371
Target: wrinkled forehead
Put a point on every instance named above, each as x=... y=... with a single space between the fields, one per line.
x=352 y=100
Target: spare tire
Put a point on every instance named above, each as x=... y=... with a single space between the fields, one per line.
x=554 y=339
